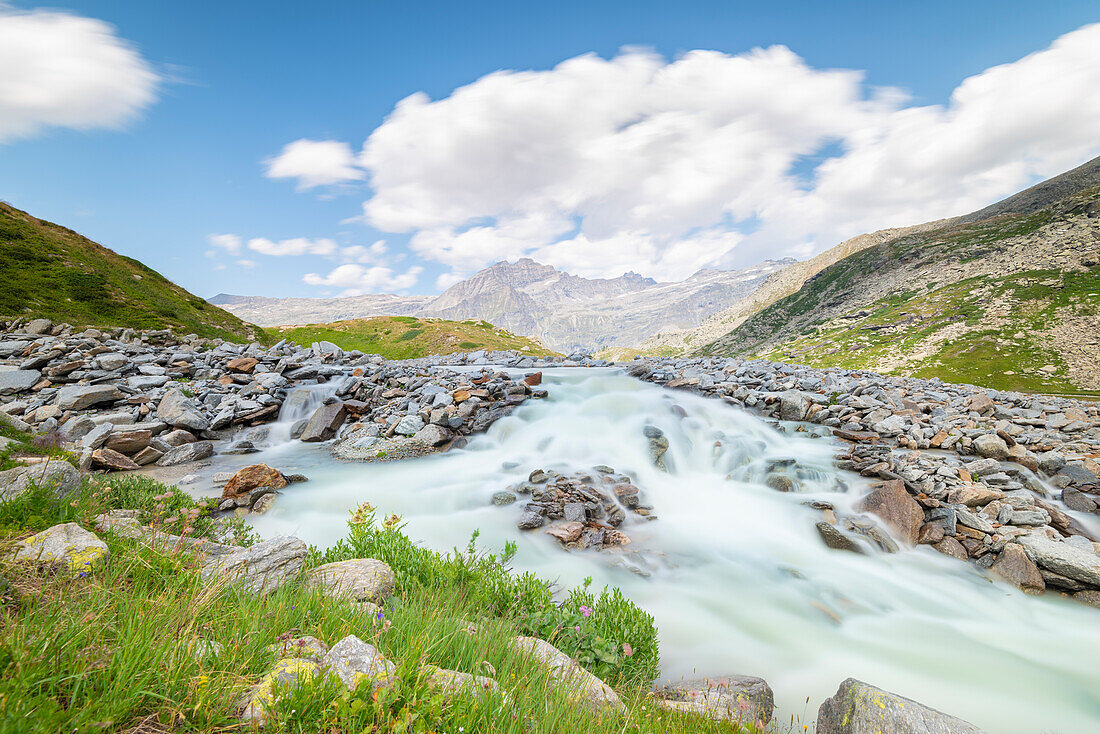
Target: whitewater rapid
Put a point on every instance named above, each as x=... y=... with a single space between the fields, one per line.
x=739 y=581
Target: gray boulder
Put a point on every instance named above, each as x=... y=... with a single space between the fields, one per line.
x=68 y=545
x=79 y=397
x=1063 y=558
x=186 y=453
x=793 y=406
x=324 y=423
x=261 y=568
x=739 y=698
x=360 y=579
x=176 y=409
x=61 y=476
x=354 y=661
x=859 y=708
x=13 y=381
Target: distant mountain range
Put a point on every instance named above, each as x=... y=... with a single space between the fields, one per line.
x=565 y=312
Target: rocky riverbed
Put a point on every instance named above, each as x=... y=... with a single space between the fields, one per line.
x=1000 y=479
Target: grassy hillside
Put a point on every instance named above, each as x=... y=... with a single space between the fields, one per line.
x=52 y=272
x=407 y=337
x=1007 y=298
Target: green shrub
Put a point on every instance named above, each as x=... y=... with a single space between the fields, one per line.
x=483 y=581
x=410 y=334
x=468 y=345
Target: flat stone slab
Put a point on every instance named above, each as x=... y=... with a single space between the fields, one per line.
x=739 y=698
x=261 y=568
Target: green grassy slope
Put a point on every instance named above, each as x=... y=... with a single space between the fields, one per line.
x=51 y=272
x=1010 y=302
x=407 y=337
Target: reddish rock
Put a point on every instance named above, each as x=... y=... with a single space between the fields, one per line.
x=951 y=547
x=897 y=509
x=460 y=395
x=534 y=379
x=113 y=460
x=251 y=478
x=1016 y=568
x=244 y=365
x=856 y=436
x=567 y=532
x=930 y=533
x=128 y=442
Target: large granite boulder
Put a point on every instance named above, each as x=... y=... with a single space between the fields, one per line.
x=324 y=423
x=186 y=453
x=61 y=476
x=176 y=409
x=1063 y=558
x=859 y=708
x=583 y=687
x=68 y=545
x=897 y=509
x=79 y=397
x=360 y=579
x=261 y=568
x=355 y=662
x=251 y=478
x=739 y=698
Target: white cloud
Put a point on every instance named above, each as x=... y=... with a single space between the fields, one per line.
x=446 y=280
x=315 y=163
x=247 y=263
x=294 y=246
x=231 y=243
x=357 y=280
x=360 y=254
x=662 y=167
x=63 y=70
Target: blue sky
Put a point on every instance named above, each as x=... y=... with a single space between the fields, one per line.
x=239 y=81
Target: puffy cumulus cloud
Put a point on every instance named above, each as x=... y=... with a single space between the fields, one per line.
x=294 y=246
x=662 y=167
x=315 y=163
x=64 y=70
x=360 y=254
x=356 y=280
x=231 y=243
x=446 y=280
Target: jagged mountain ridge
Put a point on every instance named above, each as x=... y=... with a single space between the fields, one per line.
x=564 y=311
x=1008 y=296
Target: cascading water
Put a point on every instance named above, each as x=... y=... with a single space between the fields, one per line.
x=299 y=405
x=738 y=579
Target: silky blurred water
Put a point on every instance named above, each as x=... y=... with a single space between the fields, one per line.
x=739 y=580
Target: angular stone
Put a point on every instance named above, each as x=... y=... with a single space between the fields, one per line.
x=79 y=551
x=79 y=397
x=452 y=681
x=253 y=477
x=739 y=698
x=896 y=508
x=973 y=495
x=16 y=381
x=1016 y=568
x=283 y=678
x=582 y=687
x=243 y=365
x=859 y=708
x=433 y=435
x=836 y=539
x=991 y=446
x=530 y=520
x=324 y=423
x=951 y=547
x=61 y=476
x=1063 y=558
x=147 y=456
x=566 y=532
x=1076 y=500
x=261 y=568
x=176 y=409
x=113 y=460
x=128 y=442
x=187 y=453
x=359 y=579
x=357 y=663
x=793 y=406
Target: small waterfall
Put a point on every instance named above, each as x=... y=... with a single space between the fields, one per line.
x=301 y=403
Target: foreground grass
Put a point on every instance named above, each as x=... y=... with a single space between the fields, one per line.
x=121 y=649
x=408 y=337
